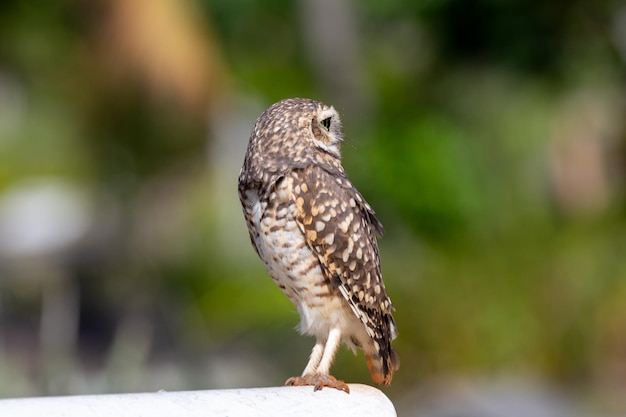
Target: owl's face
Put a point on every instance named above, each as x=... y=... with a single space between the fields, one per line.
x=326 y=130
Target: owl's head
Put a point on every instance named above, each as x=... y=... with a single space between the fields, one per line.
x=298 y=129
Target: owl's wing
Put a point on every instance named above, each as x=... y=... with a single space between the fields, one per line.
x=340 y=228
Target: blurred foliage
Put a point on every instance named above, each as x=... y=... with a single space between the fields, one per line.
x=489 y=137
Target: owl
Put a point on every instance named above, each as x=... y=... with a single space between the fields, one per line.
x=316 y=235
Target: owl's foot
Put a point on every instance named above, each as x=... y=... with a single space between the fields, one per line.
x=318 y=381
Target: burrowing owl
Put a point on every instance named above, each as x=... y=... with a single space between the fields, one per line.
x=316 y=235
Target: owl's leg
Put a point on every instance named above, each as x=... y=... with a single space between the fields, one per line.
x=317 y=371
x=316 y=356
x=332 y=344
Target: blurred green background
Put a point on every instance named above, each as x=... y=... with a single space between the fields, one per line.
x=488 y=135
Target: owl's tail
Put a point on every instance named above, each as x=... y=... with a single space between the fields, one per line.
x=382 y=364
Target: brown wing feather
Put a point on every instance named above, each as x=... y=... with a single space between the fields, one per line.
x=340 y=228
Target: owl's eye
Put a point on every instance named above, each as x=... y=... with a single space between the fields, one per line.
x=326 y=123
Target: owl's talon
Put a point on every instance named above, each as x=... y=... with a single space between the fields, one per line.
x=292 y=382
x=318 y=382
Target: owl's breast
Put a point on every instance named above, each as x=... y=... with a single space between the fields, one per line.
x=293 y=266
x=281 y=244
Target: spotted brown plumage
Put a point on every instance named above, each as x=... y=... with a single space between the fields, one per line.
x=316 y=235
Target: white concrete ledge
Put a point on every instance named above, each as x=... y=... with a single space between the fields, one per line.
x=362 y=401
